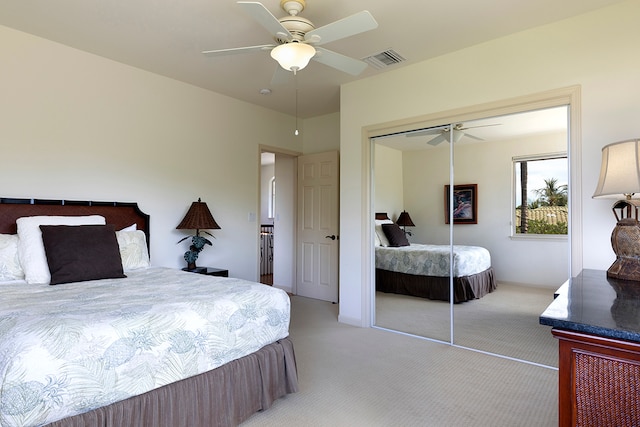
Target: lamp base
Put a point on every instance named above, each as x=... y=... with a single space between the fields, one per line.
x=625 y=269
x=625 y=240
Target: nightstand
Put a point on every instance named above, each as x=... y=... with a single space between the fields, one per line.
x=209 y=271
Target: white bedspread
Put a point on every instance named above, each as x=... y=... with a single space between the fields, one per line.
x=433 y=260
x=69 y=348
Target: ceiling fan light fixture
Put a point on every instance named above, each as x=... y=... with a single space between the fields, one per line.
x=293 y=56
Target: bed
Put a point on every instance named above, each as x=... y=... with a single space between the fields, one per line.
x=159 y=347
x=423 y=270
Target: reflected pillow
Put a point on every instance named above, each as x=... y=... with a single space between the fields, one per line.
x=76 y=253
x=395 y=235
x=380 y=233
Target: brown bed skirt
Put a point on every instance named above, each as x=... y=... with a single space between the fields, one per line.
x=225 y=396
x=465 y=288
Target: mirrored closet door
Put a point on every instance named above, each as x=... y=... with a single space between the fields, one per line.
x=402 y=186
x=528 y=258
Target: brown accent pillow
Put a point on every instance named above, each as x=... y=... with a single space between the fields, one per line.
x=395 y=235
x=76 y=253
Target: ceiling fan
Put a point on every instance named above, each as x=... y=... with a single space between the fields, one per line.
x=444 y=133
x=297 y=40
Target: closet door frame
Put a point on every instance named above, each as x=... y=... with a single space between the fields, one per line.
x=569 y=96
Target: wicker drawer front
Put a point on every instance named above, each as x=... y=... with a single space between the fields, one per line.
x=607 y=390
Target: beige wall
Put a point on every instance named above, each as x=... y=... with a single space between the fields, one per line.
x=389 y=182
x=321 y=134
x=78 y=126
x=597 y=51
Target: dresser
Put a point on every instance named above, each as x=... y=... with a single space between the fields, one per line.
x=597 y=323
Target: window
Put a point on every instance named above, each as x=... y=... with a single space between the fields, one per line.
x=272 y=197
x=541 y=195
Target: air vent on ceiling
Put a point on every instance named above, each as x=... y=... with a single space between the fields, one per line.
x=384 y=59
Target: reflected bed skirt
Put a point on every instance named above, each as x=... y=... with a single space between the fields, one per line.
x=465 y=288
x=225 y=396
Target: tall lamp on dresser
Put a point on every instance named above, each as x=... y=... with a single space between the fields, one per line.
x=620 y=177
x=596 y=317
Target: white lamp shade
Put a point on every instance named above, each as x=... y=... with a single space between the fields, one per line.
x=620 y=170
x=293 y=56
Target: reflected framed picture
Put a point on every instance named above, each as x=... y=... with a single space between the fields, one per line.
x=465 y=204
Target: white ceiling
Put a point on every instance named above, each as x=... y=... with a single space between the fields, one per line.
x=167 y=36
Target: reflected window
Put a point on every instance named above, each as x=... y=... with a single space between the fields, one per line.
x=541 y=195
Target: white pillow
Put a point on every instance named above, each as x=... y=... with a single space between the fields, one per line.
x=10 y=268
x=132 y=227
x=133 y=249
x=380 y=233
x=376 y=239
x=31 y=249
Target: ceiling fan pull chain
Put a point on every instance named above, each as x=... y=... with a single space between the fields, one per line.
x=295 y=78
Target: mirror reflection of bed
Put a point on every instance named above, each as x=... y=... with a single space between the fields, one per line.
x=410 y=174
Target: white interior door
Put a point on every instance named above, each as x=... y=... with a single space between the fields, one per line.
x=318 y=210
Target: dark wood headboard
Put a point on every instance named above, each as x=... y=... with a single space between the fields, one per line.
x=120 y=214
x=381 y=215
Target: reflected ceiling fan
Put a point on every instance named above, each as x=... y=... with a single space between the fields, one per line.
x=444 y=133
x=297 y=40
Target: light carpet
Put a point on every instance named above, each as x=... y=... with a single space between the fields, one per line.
x=350 y=376
x=504 y=322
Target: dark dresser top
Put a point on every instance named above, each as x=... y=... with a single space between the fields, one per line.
x=594 y=304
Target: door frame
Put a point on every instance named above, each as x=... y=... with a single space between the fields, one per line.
x=277 y=150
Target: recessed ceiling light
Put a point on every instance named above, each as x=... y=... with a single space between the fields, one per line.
x=265 y=91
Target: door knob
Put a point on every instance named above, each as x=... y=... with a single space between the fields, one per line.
x=332 y=237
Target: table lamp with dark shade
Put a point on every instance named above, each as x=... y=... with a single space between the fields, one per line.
x=620 y=177
x=404 y=220
x=198 y=218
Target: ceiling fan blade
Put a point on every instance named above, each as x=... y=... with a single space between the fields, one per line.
x=265 y=18
x=345 y=27
x=239 y=50
x=479 y=126
x=280 y=76
x=473 y=137
x=438 y=139
x=424 y=132
x=339 y=62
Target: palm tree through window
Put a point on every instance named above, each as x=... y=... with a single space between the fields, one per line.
x=541 y=195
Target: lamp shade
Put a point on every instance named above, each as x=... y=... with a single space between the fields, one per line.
x=293 y=56
x=198 y=217
x=620 y=169
x=404 y=220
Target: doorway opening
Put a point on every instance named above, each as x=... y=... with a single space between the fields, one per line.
x=277 y=218
x=267 y=211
